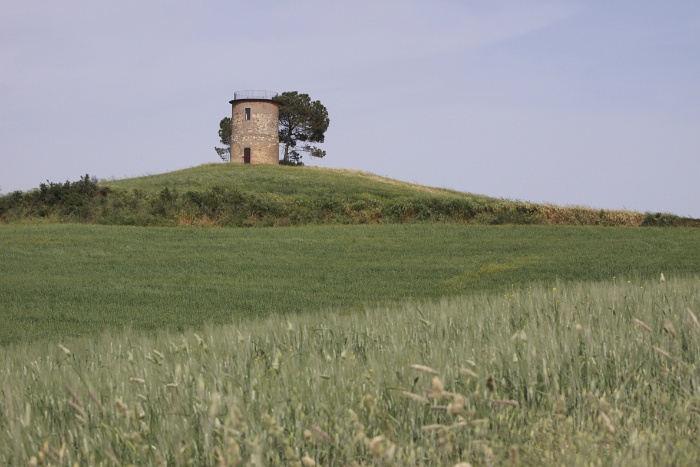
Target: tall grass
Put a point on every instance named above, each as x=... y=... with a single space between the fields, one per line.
x=570 y=374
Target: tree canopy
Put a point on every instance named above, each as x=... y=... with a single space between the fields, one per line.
x=225 y=138
x=301 y=120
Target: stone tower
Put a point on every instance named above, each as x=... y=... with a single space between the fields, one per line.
x=254 y=132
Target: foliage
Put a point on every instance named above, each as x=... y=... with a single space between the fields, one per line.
x=292 y=163
x=71 y=201
x=555 y=374
x=225 y=131
x=82 y=280
x=301 y=120
x=668 y=220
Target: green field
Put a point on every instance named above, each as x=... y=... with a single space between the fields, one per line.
x=558 y=374
x=422 y=337
x=58 y=281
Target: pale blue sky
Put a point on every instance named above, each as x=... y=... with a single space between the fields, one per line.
x=593 y=103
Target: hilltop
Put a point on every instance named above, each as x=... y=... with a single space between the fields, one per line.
x=239 y=196
x=283 y=180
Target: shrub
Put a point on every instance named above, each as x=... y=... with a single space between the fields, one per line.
x=292 y=163
x=71 y=200
x=660 y=220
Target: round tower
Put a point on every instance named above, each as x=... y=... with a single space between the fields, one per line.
x=254 y=132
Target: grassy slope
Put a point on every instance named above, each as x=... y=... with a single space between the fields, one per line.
x=284 y=181
x=72 y=280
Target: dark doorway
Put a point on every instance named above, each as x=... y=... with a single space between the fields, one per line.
x=246 y=155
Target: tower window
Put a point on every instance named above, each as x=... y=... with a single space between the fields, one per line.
x=247 y=113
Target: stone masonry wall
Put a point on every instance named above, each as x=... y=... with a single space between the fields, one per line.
x=260 y=133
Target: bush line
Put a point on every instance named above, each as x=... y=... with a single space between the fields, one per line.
x=85 y=201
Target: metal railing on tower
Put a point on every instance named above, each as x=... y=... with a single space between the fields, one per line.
x=267 y=95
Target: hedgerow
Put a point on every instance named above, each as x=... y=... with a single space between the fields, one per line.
x=85 y=201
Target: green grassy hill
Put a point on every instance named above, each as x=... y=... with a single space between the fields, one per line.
x=242 y=196
x=417 y=339
x=418 y=242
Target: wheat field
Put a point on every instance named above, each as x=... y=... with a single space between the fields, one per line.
x=561 y=374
